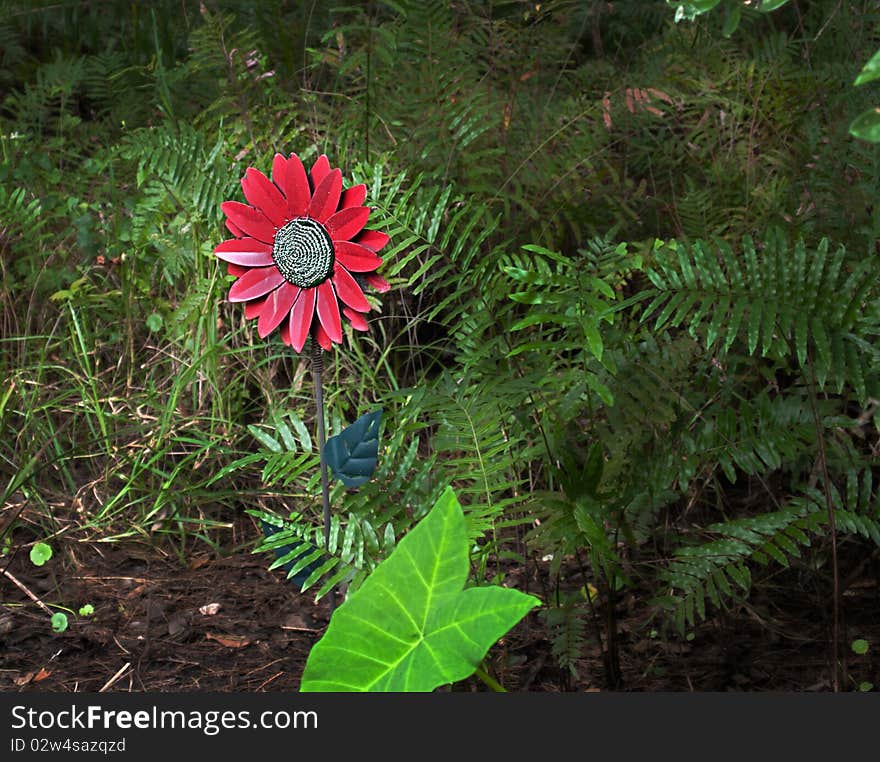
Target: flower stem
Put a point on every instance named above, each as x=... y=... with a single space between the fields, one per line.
x=317 y=371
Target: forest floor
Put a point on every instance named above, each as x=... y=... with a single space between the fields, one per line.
x=154 y=628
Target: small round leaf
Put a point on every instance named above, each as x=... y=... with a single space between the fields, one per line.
x=154 y=321
x=59 y=622
x=40 y=553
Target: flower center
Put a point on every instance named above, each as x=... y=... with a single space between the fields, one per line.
x=303 y=252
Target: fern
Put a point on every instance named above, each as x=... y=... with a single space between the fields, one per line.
x=476 y=445
x=567 y=627
x=714 y=571
x=775 y=299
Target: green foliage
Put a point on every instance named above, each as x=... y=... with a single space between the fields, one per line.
x=772 y=299
x=567 y=627
x=411 y=626
x=648 y=414
x=867 y=125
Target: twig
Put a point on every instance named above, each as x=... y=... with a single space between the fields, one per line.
x=27 y=592
x=119 y=673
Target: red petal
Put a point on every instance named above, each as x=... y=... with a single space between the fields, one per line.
x=254 y=308
x=320 y=170
x=354 y=196
x=252 y=221
x=301 y=318
x=345 y=225
x=237 y=270
x=348 y=289
x=284 y=332
x=355 y=257
x=358 y=321
x=322 y=338
x=379 y=283
x=245 y=251
x=328 y=311
x=278 y=306
x=263 y=194
x=326 y=197
x=291 y=178
x=255 y=283
x=373 y=239
x=234 y=229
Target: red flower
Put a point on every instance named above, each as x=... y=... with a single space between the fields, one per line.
x=300 y=252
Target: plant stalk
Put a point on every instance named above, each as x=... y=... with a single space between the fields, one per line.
x=832 y=531
x=317 y=372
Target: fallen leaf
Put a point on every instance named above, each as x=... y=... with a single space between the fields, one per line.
x=42 y=675
x=178 y=623
x=298 y=622
x=23 y=679
x=230 y=641
x=209 y=609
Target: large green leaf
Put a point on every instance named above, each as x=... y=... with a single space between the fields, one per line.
x=867 y=126
x=411 y=626
x=871 y=70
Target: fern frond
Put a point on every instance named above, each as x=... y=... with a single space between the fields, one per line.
x=567 y=626
x=702 y=574
x=778 y=300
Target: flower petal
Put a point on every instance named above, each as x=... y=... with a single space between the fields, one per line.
x=328 y=311
x=284 y=332
x=379 y=283
x=290 y=174
x=320 y=170
x=254 y=308
x=278 y=306
x=234 y=229
x=348 y=289
x=322 y=338
x=245 y=251
x=301 y=318
x=255 y=283
x=357 y=320
x=326 y=196
x=354 y=196
x=236 y=270
x=373 y=239
x=345 y=225
x=252 y=221
x=355 y=257
x=263 y=194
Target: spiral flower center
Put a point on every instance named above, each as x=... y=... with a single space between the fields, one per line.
x=303 y=252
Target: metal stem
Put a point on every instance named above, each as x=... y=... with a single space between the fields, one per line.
x=317 y=371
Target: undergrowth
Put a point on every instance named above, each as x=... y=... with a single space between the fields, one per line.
x=634 y=299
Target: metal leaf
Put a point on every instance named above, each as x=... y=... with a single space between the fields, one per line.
x=353 y=453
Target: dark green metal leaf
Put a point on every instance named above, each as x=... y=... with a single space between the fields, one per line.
x=352 y=454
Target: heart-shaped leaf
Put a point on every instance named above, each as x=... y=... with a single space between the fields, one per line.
x=411 y=626
x=352 y=454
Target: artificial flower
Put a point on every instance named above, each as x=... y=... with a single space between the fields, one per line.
x=301 y=255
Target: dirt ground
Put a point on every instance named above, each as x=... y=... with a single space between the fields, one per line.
x=227 y=624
